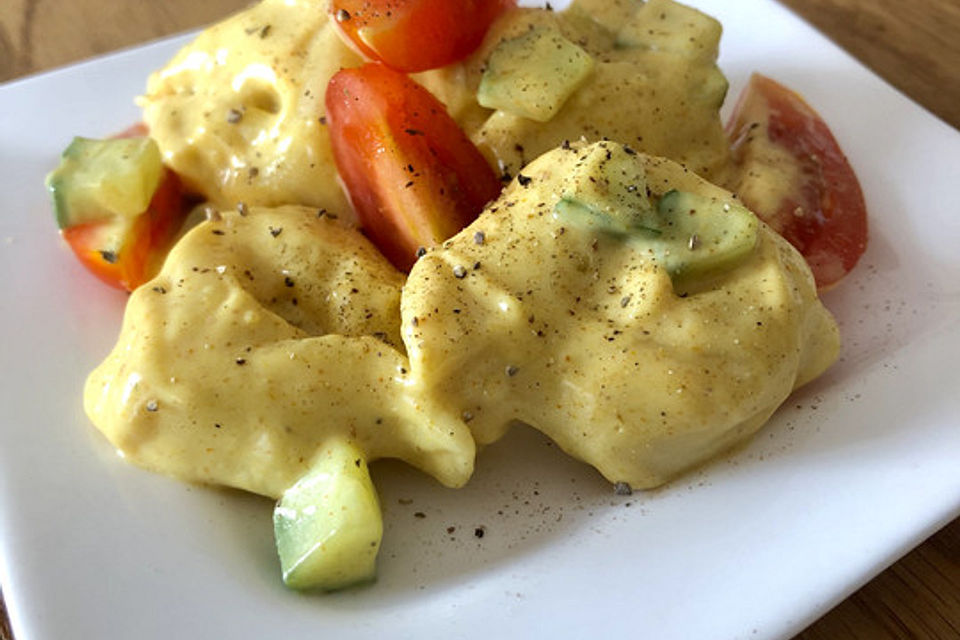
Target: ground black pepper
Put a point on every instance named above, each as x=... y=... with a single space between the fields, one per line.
x=622 y=489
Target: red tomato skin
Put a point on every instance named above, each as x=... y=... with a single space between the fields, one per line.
x=136 y=130
x=831 y=233
x=413 y=176
x=125 y=270
x=147 y=242
x=416 y=35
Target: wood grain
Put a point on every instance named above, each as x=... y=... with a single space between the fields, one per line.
x=915 y=46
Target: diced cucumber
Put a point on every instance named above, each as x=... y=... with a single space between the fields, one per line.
x=328 y=525
x=664 y=25
x=702 y=236
x=532 y=75
x=99 y=180
x=691 y=235
x=607 y=191
x=713 y=87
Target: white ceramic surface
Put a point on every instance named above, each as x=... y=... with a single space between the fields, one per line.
x=850 y=474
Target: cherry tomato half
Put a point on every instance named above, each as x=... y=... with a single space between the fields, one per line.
x=777 y=138
x=136 y=130
x=414 y=177
x=143 y=245
x=415 y=35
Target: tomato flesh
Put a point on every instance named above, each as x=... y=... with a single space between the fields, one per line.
x=415 y=35
x=413 y=176
x=144 y=243
x=136 y=130
x=821 y=211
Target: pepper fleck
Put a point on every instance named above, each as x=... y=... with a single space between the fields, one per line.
x=622 y=489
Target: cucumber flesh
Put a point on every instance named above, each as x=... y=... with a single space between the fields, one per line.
x=607 y=191
x=702 y=236
x=328 y=525
x=693 y=236
x=532 y=75
x=664 y=25
x=101 y=180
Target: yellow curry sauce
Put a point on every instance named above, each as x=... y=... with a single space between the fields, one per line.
x=580 y=336
x=525 y=317
x=239 y=112
x=264 y=336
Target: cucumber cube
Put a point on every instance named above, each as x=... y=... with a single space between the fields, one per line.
x=328 y=525
x=532 y=75
x=101 y=180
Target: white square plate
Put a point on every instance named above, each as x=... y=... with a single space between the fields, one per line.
x=851 y=473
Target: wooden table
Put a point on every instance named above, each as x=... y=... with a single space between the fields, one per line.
x=914 y=45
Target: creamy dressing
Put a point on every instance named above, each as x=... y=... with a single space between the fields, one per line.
x=238 y=112
x=661 y=100
x=263 y=337
x=268 y=334
x=524 y=317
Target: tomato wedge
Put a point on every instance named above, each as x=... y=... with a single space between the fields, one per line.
x=136 y=130
x=143 y=245
x=414 y=177
x=415 y=35
x=792 y=173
